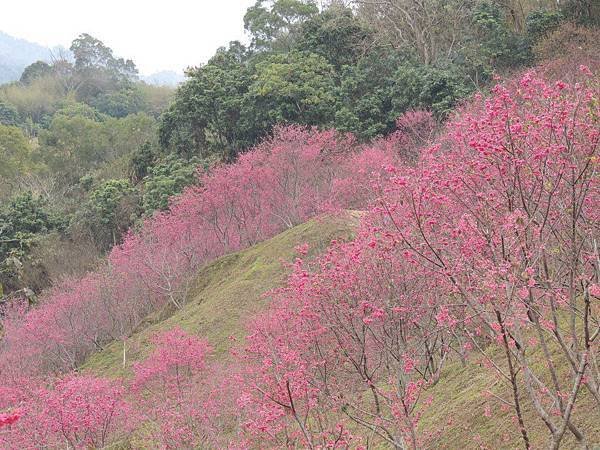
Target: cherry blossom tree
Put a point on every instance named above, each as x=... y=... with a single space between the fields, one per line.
x=76 y=412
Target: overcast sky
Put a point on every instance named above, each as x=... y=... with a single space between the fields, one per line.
x=156 y=34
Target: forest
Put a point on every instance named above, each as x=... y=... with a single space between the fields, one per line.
x=375 y=224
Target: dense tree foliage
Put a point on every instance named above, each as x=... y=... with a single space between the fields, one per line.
x=74 y=124
x=356 y=69
x=166 y=179
x=15 y=154
x=68 y=130
x=207 y=112
x=275 y=24
x=22 y=221
x=34 y=71
x=109 y=212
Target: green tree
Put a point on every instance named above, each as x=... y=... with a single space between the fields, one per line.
x=541 y=22
x=424 y=86
x=110 y=210
x=292 y=88
x=204 y=118
x=74 y=145
x=97 y=70
x=127 y=134
x=166 y=179
x=8 y=114
x=22 y=220
x=91 y=54
x=366 y=93
x=275 y=24
x=120 y=103
x=141 y=160
x=34 y=71
x=490 y=44
x=71 y=109
x=35 y=101
x=337 y=35
x=15 y=157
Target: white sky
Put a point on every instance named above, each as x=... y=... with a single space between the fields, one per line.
x=156 y=34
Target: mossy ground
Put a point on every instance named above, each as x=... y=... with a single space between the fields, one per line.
x=458 y=411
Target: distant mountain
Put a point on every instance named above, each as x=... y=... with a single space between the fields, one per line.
x=16 y=54
x=164 y=78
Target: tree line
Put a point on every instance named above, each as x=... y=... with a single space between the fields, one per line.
x=89 y=151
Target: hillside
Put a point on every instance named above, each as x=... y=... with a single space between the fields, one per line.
x=463 y=416
x=228 y=291
x=336 y=235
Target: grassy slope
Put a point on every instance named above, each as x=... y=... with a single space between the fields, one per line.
x=226 y=292
x=231 y=289
x=458 y=408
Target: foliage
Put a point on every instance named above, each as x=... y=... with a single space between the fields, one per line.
x=352 y=68
x=293 y=88
x=97 y=70
x=22 y=220
x=423 y=86
x=66 y=133
x=166 y=179
x=15 y=153
x=36 y=70
x=492 y=44
x=365 y=96
x=110 y=210
x=206 y=112
x=71 y=109
x=337 y=35
x=540 y=23
x=155 y=99
x=75 y=144
x=8 y=114
x=274 y=24
x=36 y=100
x=141 y=160
x=120 y=103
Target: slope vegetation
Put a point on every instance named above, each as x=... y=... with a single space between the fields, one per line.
x=226 y=292
x=231 y=289
x=465 y=418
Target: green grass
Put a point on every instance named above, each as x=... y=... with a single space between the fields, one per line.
x=458 y=408
x=226 y=292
